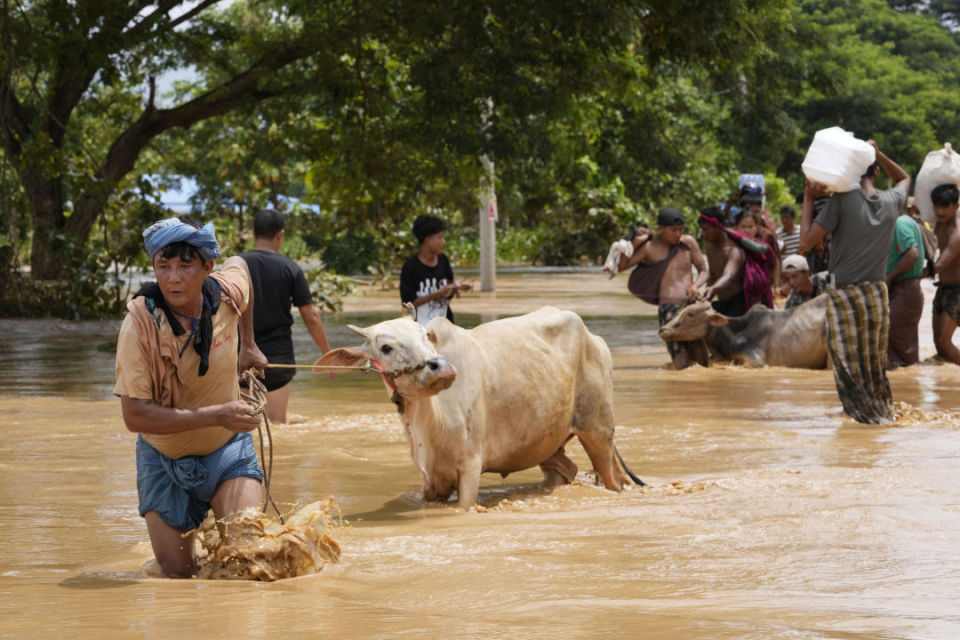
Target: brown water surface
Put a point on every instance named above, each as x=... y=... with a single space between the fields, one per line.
x=769 y=515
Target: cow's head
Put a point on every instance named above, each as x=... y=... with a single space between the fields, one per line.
x=403 y=351
x=692 y=322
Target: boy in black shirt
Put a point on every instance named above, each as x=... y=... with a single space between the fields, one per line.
x=278 y=281
x=426 y=280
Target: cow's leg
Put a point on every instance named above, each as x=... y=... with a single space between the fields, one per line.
x=558 y=469
x=599 y=447
x=469 y=483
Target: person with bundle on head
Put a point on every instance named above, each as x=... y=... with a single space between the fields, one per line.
x=861 y=224
x=946 y=303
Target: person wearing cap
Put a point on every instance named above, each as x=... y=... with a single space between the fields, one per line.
x=803 y=286
x=904 y=270
x=749 y=196
x=426 y=279
x=279 y=284
x=861 y=224
x=662 y=276
x=177 y=360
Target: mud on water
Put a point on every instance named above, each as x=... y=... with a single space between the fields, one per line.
x=768 y=515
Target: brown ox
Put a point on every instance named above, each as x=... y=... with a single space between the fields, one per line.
x=795 y=337
x=502 y=397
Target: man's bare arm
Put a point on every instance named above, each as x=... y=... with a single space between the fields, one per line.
x=145 y=416
x=250 y=354
x=899 y=177
x=949 y=254
x=907 y=260
x=643 y=237
x=696 y=257
x=811 y=233
x=731 y=270
x=312 y=318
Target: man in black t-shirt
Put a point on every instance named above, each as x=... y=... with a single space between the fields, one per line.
x=426 y=280
x=278 y=283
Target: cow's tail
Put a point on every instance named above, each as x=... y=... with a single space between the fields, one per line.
x=633 y=476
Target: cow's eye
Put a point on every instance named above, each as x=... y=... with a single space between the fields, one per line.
x=386 y=349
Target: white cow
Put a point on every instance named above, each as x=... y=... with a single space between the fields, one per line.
x=502 y=397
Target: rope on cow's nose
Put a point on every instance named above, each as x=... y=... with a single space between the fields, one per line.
x=389 y=375
x=256 y=396
x=365 y=367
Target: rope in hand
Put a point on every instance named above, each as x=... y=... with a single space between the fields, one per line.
x=256 y=396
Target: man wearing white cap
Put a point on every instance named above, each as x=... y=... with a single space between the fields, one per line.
x=803 y=286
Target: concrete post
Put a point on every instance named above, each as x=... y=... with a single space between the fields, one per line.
x=488 y=219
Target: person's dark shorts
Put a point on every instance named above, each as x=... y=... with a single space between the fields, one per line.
x=275 y=378
x=732 y=307
x=947 y=300
x=180 y=490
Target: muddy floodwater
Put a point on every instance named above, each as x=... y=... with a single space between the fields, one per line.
x=768 y=515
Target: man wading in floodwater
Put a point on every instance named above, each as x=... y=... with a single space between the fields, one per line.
x=662 y=276
x=177 y=356
x=861 y=223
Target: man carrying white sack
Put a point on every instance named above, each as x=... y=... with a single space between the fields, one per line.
x=861 y=223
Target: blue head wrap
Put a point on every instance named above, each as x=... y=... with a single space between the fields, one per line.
x=166 y=232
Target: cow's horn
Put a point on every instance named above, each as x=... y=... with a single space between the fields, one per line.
x=358 y=330
x=410 y=311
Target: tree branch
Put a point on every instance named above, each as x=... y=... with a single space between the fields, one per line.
x=242 y=89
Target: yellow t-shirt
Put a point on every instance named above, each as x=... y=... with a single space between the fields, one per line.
x=219 y=385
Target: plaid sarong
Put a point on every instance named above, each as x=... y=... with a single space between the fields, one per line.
x=858 y=325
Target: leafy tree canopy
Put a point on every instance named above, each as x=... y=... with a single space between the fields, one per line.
x=355 y=116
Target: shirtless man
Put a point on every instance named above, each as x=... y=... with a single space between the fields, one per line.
x=726 y=260
x=663 y=277
x=946 y=304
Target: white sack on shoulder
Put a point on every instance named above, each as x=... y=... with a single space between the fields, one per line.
x=939 y=167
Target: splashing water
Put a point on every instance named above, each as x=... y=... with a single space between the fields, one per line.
x=251 y=546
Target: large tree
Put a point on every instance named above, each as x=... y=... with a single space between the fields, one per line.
x=78 y=105
x=62 y=59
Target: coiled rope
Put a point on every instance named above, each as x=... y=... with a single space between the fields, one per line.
x=256 y=396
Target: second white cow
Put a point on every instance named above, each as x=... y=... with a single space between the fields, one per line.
x=502 y=397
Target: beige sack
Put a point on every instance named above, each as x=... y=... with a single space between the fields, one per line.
x=939 y=167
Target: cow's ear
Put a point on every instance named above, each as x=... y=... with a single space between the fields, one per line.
x=718 y=319
x=432 y=337
x=342 y=357
x=410 y=311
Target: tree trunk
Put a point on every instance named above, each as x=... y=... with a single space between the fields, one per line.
x=46 y=207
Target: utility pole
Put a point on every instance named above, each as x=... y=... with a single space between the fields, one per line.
x=488 y=219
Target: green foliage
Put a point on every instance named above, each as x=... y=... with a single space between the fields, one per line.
x=353 y=117
x=329 y=289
